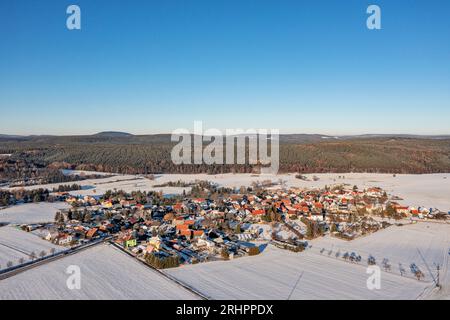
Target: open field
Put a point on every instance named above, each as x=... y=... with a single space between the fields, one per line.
x=16 y=244
x=31 y=212
x=127 y=183
x=273 y=274
x=421 y=243
x=106 y=273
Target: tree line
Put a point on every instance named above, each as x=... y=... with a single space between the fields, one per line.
x=381 y=155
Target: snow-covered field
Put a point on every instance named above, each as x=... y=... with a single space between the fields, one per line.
x=106 y=273
x=273 y=274
x=423 y=243
x=127 y=183
x=16 y=244
x=31 y=212
x=69 y=172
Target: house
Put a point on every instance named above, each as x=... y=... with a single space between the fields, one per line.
x=187 y=233
x=71 y=200
x=245 y=236
x=168 y=217
x=51 y=235
x=197 y=233
x=402 y=210
x=107 y=204
x=155 y=242
x=177 y=221
x=374 y=192
x=258 y=212
x=179 y=208
x=182 y=227
x=32 y=227
x=129 y=241
x=149 y=249
x=91 y=233
x=63 y=239
x=203 y=244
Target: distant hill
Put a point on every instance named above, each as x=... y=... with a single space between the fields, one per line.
x=113 y=134
x=6 y=137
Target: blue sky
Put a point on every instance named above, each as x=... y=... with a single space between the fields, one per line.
x=153 y=66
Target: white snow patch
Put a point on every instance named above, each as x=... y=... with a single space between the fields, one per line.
x=31 y=212
x=106 y=273
x=16 y=244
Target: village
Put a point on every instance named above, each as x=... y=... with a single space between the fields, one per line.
x=213 y=223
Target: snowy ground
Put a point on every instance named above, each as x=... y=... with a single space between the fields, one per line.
x=69 y=172
x=16 y=244
x=127 y=183
x=273 y=274
x=31 y=212
x=423 y=243
x=106 y=273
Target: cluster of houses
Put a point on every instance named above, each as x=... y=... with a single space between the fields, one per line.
x=222 y=227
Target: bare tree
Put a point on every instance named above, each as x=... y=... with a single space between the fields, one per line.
x=371 y=260
x=9 y=264
x=402 y=269
x=386 y=264
x=42 y=254
x=32 y=255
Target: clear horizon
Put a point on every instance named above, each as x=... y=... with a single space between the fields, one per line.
x=152 y=67
x=281 y=133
